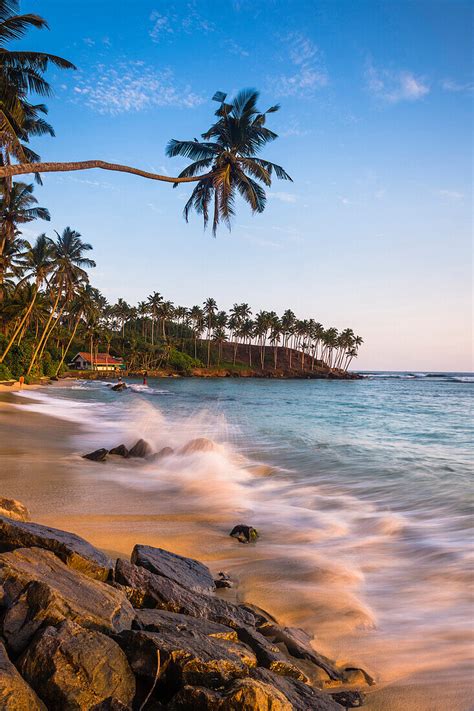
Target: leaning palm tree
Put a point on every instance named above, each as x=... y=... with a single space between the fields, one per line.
x=229 y=151
x=69 y=272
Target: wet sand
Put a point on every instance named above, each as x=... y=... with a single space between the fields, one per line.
x=41 y=468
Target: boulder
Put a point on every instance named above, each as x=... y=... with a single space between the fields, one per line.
x=140 y=449
x=201 y=444
x=186 y=657
x=14 y=509
x=39 y=590
x=120 y=451
x=244 y=534
x=187 y=572
x=119 y=387
x=197 y=698
x=300 y=695
x=241 y=695
x=73 y=669
x=73 y=550
x=223 y=581
x=15 y=694
x=349 y=699
x=98 y=455
x=269 y=655
x=146 y=589
x=110 y=704
x=165 y=452
x=298 y=644
x=156 y=620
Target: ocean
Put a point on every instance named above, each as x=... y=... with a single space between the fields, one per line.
x=361 y=491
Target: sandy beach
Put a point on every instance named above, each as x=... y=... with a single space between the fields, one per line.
x=42 y=467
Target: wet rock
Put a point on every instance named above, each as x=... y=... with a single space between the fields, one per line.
x=14 y=509
x=300 y=695
x=98 y=455
x=223 y=581
x=349 y=699
x=120 y=451
x=186 y=656
x=197 y=698
x=156 y=620
x=187 y=572
x=298 y=644
x=145 y=589
x=140 y=449
x=243 y=694
x=110 y=704
x=72 y=668
x=269 y=655
x=119 y=387
x=39 y=590
x=201 y=444
x=73 y=550
x=15 y=694
x=244 y=534
x=165 y=452
x=358 y=677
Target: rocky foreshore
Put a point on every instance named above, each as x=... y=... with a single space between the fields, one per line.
x=80 y=631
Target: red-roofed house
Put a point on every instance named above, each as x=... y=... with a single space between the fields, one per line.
x=100 y=361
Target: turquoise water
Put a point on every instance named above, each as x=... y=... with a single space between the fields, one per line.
x=362 y=491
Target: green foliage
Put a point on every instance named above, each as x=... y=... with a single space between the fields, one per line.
x=5 y=373
x=18 y=359
x=182 y=362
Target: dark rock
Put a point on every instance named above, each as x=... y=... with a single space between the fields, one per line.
x=165 y=452
x=300 y=695
x=186 y=656
x=187 y=572
x=298 y=644
x=145 y=589
x=73 y=550
x=357 y=677
x=197 y=698
x=223 y=581
x=14 y=509
x=98 y=455
x=72 y=668
x=120 y=451
x=244 y=534
x=110 y=704
x=156 y=620
x=269 y=655
x=119 y=387
x=39 y=590
x=349 y=699
x=140 y=449
x=15 y=694
x=241 y=695
x=201 y=444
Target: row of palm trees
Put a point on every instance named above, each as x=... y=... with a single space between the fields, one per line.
x=305 y=342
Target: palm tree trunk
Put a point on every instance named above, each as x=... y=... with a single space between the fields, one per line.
x=26 y=168
x=18 y=328
x=46 y=328
x=69 y=344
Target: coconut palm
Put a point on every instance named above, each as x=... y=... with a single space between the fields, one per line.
x=229 y=150
x=210 y=308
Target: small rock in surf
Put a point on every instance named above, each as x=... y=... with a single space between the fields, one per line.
x=140 y=449
x=97 y=455
x=223 y=581
x=120 y=451
x=244 y=534
x=201 y=444
x=119 y=387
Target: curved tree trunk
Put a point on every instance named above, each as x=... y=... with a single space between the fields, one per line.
x=18 y=328
x=7 y=171
x=40 y=342
x=69 y=344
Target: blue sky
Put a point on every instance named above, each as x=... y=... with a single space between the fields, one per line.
x=375 y=129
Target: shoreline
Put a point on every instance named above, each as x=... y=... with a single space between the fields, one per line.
x=114 y=518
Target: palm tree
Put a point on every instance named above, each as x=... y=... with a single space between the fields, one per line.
x=69 y=264
x=84 y=305
x=37 y=262
x=154 y=301
x=275 y=335
x=18 y=206
x=229 y=149
x=210 y=308
x=196 y=314
x=165 y=313
x=22 y=72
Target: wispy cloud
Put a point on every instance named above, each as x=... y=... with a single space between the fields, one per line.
x=453 y=195
x=171 y=21
x=234 y=48
x=282 y=196
x=393 y=86
x=307 y=71
x=129 y=87
x=456 y=86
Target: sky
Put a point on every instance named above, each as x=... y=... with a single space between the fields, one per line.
x=375 y=128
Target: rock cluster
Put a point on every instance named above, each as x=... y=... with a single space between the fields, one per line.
x=81 y=632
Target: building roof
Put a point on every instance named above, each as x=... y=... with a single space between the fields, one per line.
x=100 y=359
